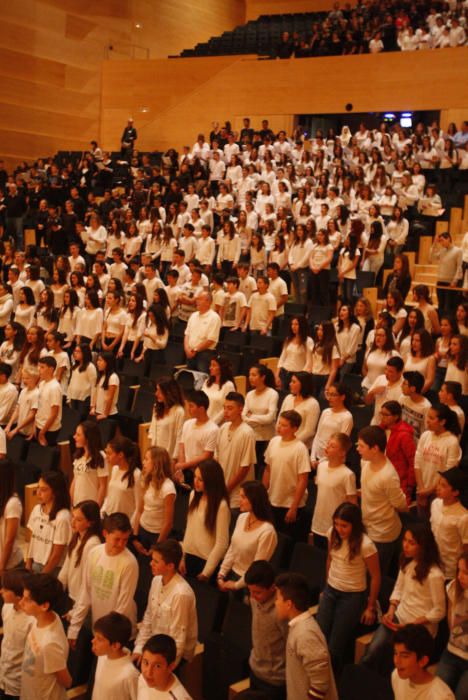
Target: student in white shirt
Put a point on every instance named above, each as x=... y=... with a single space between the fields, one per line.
x=168 y=416
x=157 y=679
x=450 y=394
x=198 y=438
x=206 y=536
x=344 y=602
x=24 y=413
x=301 y=399
x=260 y=408
x=438 y=450
x=386 y=387
x=413 y=648
x=90 y=320
x=261 y=309
x=381 y=494
x=116 y=677
x=16 y=627
x=11 y=555
x=112 y=568
x=336 y=419
x=418 y=596
x=44 y=673
x=124 y=485
x=449 y=519
x=90 y=469
x=106 y=390
x=171 y=607
x=414 y=405
x=336 y=483
x=86 y=528
x=325 y=357
x=49 y=524
x=348 y=333
x=286 y=473
x=8 y=394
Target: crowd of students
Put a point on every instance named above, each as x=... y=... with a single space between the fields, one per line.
x=372 y=27
x=216 y=255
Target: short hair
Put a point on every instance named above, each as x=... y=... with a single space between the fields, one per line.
x=48 y=361
x=393 y=407
x=233 y=280
x=14 y=580
x=294 y=587
x=236 y=397
x=343 y=440
x=396 y=362
x=453 y=388
x=44 y=588
x=293 y=417
x=115 y=627
x=260 y=573
x=373 y=435
x=5 y=369
x=414 y=379
x=173 y=273
x=170 y=550
x=163 y=645
x=117 y=521
x=199 y=398
x=273 y=266
x=180 y=252
x=415 y=638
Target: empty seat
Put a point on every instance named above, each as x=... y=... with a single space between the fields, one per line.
x=311 y=562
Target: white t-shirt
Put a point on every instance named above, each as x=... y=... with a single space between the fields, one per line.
x=217 y=395
x=46 y=533
x=376 y=361
x=89 y=323
x=260 y=305
x=71 y=575
x=50 y=394
x=349 y=575
x=197 y=439
x=435 y=690
x=198 y=540
x=46 y=652
x=381 y=496
x=415 y=413
x=286 y=460
x=309 y=410
x=330 y=422
x=424 y=598
x=120 y=498
x=236 y=449
x=16 y=627
x=175 y=692
x=203 y=327
x=450 y=527
x=436 y=453
x=278 y=288
x=8 y=399
x=166 y=431
x=248 y=546
x=334 y=484
x=152 y=518
x=86 y=479
x=233 y=305
x=13 y=509
x=27 y=401
x=101 y=395
x=391 y=393
x=116 y=679
x=260 y=412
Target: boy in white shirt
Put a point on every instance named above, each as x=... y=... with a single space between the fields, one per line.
x=171 y=603
x=449 y=519
x=450 y=394
x=235 y=305
x=118 y=267
x=48 y=420
x=247 y=283
x=16 y=627
x=413 y=646
x=116 y=677
x=386 y=387
x=336 y=483
x=110 y=578
x=44 y=672
x=285 y=476
x=277 y=287
x=199 y=435
x=381 y=494
x=414 y=405
x=8 y=394
x=157 y=681
x=261 y=309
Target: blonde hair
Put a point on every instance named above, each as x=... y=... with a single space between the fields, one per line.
x=161 y=468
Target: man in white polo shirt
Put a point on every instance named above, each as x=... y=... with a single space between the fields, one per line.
x=202 y=334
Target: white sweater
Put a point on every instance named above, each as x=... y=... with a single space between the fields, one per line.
x=198 y=541
x=248 y=546
x=436 y=453
x=426 y=599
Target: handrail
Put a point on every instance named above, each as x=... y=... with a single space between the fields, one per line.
x=111 y=48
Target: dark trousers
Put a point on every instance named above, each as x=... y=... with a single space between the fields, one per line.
x=320 y=287
x=273 y=692
x=201 y=361
x=386 y=552
x=298 y=530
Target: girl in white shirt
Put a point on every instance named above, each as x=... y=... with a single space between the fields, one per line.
x=336 y=419
x=134 y=328
x=325 y=357
x=11 y=347
x=218 y=385
x=49 y=524
x=46 y=313
x=154 y=517
x=348 y=332
x=106 y=390
x=457 y=365
x=90 y=470
x=168 y=416
x=260 y=408
x=298 y=258
x=11 y=511
x=296 y=353
x=418 y=596
x=114 y=322
x=89 y=322
x=395 y=307
x=344 y=602
x=155 y=334
x=301 y=399
x=124 y=485
x=26 y=309
x=132 y=243
x=207 y=533
x=68 y=316
x=448 y=328
x=86 y=528
x=82 y=380
x=421 y=358
x=382 y=349
x=54 y=342
x=254 y=537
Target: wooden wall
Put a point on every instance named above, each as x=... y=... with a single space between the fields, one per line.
x=186 y=95
x=255 y=8
x=51 y=52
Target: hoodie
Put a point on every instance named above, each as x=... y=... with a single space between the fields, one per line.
x=401 y=448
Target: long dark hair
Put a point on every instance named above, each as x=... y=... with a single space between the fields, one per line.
x=257 y=494
x=429 y=553
x=305 y=380
x=267 y=375
x=87 y=358
x=131 y=452
x=406 y=330
x=172 y=394
x=225 y=368
x=91 y=512
x=328 y=342
x=57 y=482
x=463 y=356
x=160 y=318
x=109 y=359
x=138 y=310
x=73 y=302
x=34 y=352
x=303 y=330
x=92 y=436
x=446 y=414
x=215 y=491
x=7 y=483
x=19 y=338
x=350 y=513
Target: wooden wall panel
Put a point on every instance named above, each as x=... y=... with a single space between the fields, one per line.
x=255 y=8
x=248 y=87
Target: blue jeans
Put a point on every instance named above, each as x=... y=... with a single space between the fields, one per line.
x=338 y=615
x=454 y=671
x=379 y=655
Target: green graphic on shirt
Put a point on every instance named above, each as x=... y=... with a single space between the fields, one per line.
x=102 y=582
